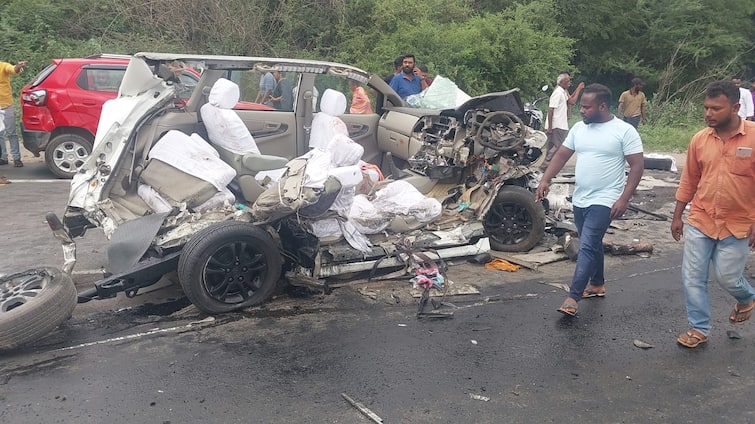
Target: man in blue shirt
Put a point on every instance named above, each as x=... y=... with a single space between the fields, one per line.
x=406 y=83
x=601 y=192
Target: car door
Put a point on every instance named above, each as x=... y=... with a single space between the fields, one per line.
x=362 y=120
x=277 y=132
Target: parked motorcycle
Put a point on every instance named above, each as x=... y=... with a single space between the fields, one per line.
x=533 y=114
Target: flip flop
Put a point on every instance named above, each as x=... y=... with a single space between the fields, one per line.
x=741 y=313
x=568 y=309
x=691 y=338
x=592 y=293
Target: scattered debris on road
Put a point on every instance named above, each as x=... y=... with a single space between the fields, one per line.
x=479 y=397
x=642 y=345
x=363 y=409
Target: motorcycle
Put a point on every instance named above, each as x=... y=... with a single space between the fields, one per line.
x=532 y=113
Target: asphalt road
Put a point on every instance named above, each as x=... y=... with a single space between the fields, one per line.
x=506 y=356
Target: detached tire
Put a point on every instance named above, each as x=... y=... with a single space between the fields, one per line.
x=515 y=222
x=66 y=154
x=228 y=266
x=33 y=303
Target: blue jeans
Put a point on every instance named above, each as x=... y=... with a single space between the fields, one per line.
x=10 y=130
x=592 y=223
x=728 y=257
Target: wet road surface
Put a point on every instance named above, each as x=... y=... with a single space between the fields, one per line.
x=156 y=359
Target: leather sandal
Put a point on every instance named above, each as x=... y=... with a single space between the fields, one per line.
x=691 y=338
x=594 y=291
x=741 y=313
x=569 y=309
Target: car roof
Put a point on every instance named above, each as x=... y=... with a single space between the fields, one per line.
x=259 y=63
x=104 y=59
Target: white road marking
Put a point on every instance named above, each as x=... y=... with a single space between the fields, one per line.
x=40 y=181
x=140 y=335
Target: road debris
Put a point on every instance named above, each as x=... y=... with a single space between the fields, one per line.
x=637 y=246
x=732 y=334
x=531 y=260
x=363 y=409
x=563 y=286
x=655 y=216
x=479 y=397
x=502 y=265
x=642 y=345
x=515 y=391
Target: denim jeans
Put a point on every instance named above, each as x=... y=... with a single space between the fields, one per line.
x=10 y=130
x=592 y=223
x=728 y=258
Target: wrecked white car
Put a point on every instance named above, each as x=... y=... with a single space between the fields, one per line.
x=237 y=201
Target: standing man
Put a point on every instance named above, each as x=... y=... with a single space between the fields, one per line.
x=6 y=104
x=558 y=115
x=267 y=85
x=746 y=107
x=602 y=143
x=421 y=71
x=406 y=83
x=282 y=96
x=632 y=104
x=398 y=63
x=719 y=179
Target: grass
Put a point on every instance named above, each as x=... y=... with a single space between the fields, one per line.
x=669 y=130
x=666 y=138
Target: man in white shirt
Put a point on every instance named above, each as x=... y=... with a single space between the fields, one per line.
x=746 y=107
x=558 y=115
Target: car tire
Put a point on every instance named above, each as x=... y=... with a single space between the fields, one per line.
x=229 y=266
x=515 y=222
x=65 y=154
x=33 y=303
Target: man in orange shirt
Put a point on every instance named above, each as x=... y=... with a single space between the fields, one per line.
x=719 y=179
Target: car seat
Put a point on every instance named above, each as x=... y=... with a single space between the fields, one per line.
x=232 y=139
x=326 y=123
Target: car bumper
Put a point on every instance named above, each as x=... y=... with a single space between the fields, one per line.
x=35 y=141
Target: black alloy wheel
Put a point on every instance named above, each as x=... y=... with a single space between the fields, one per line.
x=229 y=266
x=515 y=222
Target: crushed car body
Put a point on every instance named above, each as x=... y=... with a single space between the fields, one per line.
x=232 y=234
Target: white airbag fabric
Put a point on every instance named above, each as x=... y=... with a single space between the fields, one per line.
x=224 y=126
x=194 y=156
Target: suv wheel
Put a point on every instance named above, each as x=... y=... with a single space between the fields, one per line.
x=66 y=154
x=229 y=266
x=33 y=303
x=515 y=222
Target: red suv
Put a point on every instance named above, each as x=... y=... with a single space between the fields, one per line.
x=60 y=109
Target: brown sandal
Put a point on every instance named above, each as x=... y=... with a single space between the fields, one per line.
x=569 y=309
x=594 y=291
x=691 y=338
x=740 y=313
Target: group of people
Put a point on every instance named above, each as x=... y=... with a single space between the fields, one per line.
x=408 y=78
x=717 y=182
x=275 y=91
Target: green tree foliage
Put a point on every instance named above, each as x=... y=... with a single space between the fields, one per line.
x=484 y=45
x=481 y=52
x=667 y=42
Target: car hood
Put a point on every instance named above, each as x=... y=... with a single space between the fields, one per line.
x=509 y=101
